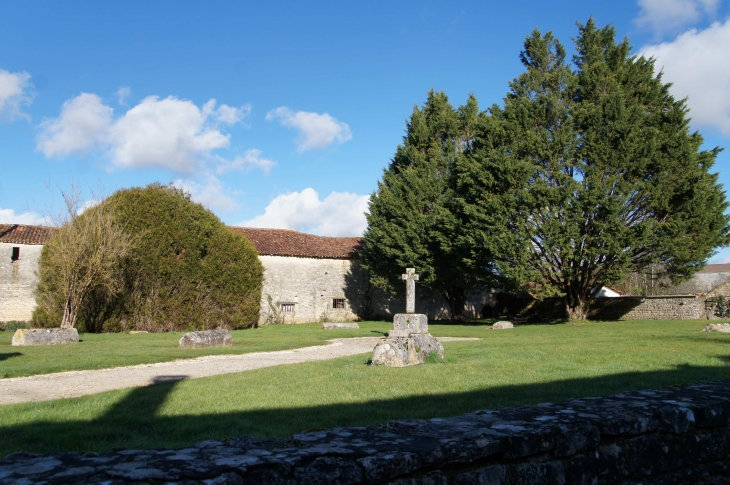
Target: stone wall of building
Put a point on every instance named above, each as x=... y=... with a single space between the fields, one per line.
x=18 y=280
x=667 y=436
x=298 y=290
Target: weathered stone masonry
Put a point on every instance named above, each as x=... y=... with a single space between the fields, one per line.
x=670 y=436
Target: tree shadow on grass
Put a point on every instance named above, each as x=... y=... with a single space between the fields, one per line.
x=9 y=355
x=135 y=421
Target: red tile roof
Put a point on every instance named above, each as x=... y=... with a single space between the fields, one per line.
x=716 y=268
x=285 y=242
x=22 y=234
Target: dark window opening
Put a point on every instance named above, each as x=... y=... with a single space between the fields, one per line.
x=338 y=303
x=16 y=254
x=287 y=307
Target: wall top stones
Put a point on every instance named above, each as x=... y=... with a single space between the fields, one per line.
x=678 y=435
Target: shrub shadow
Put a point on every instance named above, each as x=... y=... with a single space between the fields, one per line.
x=9 y=355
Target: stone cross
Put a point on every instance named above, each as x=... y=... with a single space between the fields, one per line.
x=410 y=277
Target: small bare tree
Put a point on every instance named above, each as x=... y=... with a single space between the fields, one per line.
x=85 y=254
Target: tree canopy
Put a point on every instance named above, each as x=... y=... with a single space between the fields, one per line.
x=589 y=172
x=187 y=270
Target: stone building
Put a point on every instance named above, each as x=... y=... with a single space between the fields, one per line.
x=307 y=278
x=20 y=249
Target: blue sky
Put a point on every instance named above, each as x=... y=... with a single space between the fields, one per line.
x=284 y=114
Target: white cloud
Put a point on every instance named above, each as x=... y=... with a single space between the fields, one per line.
x=8 y=216
x=87 y=205
x=315 y=130
x=339 y=214
x=251 y=159
x=698 y=64
x=123 y=93
x=162 y=133
x=669 y=15
x=84 y=124
x=14 y=95
x=210 y=194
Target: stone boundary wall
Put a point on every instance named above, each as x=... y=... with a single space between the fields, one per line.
x=675 y=307
x=667 y=436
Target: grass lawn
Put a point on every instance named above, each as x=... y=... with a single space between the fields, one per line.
x=527 y=365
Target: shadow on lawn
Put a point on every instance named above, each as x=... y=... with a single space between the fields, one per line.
x=135 y=420
x=9 y=355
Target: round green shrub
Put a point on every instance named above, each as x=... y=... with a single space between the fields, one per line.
x=187 y=270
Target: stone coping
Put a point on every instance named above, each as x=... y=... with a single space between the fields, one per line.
x=675 y=435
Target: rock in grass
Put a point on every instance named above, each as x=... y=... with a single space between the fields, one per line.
x=205 y=339
x=330 y=326
x=502 y=325
x=405 y=351
x=135 y=332
x=717 y=327
x=45 y=336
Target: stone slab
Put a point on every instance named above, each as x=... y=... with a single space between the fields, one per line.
x=206 y=338
x=405 y=324
x=502 y=325
x=45 y=336
x=334 y=325
x=135 y=332
x=717 y=327
x=406 y=351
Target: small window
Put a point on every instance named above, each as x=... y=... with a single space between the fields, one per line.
x=338 y=303
x=16 y=254
x=287 y=307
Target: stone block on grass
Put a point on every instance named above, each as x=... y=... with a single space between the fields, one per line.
x=405 y=351
x=502 y=325
x=45 y=336
x=717 y=327
x=334 y=325
x=135 y=332
x=205 y=339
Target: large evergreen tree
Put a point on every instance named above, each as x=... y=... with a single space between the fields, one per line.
x=412 y=220
x=587 y=173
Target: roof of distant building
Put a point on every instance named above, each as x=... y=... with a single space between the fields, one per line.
x=271 y=242
x=23 y=234
x=285 y=242
x=715 y=268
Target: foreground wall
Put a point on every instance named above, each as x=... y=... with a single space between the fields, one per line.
x=18 y=280
x=672 y=436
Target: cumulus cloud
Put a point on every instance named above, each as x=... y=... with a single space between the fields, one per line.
x=14 y=95
x=315 y=130
x=669 y=15
x=210 y=193
x=83 y=124
x=698 y=64
x=251 y=159
x=167 y=133
x=339 y=214
x=8 y=216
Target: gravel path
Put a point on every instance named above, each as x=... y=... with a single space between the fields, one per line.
x=47 y=387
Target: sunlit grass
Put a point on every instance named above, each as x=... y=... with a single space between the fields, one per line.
x=527 y=365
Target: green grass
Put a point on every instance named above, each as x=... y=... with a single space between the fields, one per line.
x=99 y=351
x=527 y=365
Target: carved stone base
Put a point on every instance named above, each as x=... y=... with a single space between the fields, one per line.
x=206 y=338
x=405 y=324
x=405 y=351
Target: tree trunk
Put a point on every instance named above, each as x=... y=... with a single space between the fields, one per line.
x=577 y=309
x=456 y=298
x=69 y=315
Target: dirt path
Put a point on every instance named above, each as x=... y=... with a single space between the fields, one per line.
x=47 y=387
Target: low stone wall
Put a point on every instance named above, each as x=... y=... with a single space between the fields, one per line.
x=678 y=307
x=665 y=436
